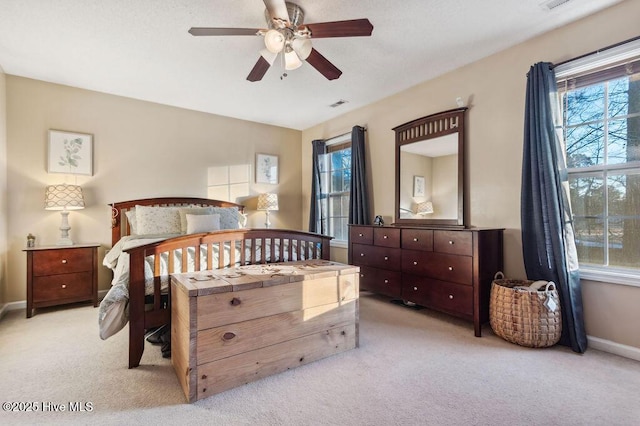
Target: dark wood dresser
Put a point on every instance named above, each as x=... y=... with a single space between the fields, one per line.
x=58 y=275
x=448 y=270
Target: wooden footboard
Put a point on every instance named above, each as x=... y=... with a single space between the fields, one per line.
x=238 y=247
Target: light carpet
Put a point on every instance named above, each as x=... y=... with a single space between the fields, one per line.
x=413 y=367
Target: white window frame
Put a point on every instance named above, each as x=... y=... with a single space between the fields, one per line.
x=337 y=140
x=619 y=53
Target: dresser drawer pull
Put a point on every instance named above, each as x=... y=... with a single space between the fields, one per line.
x=361 y=254
x=386 y=258
x=386 y=281
x=63 y=286
x=361 y=275
x=385 y=237
x=415 y=288
x=415 y=263
x=235 y=301
x=415 y=239
x=360 y=235
x=450 y=242
x=64 y=260
x=451 y=296
x=451 y=268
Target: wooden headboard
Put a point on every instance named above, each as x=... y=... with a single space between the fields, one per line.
x=120 y=225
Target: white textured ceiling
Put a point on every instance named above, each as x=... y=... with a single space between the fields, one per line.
x=141 y=49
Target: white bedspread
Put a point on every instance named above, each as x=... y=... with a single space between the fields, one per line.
x=113 y=314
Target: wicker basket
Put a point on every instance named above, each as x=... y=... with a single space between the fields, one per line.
x=527 y=318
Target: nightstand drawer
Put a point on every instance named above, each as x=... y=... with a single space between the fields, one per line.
x=62 y=287
x=62 y=261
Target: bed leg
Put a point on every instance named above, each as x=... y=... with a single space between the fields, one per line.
x=136 y=346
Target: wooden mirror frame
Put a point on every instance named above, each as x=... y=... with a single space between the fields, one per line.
x=431 y=127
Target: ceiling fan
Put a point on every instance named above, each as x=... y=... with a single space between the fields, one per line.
x=287 y=35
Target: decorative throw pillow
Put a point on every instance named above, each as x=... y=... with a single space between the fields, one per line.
x=229 y=217
x=202 y=223
x=133 y=224
x=183 y=211
x=157 y=220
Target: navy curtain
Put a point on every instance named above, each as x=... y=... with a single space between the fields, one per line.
x=359 y=199
x=316 y=221
x=547 y=229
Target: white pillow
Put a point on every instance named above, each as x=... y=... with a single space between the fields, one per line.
x=183 y=211
x=133 y=223
x=202 y=223
x=157 y=220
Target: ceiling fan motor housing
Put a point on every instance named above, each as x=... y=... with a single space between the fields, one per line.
x=296 y=16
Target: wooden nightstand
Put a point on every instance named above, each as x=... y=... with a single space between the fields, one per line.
x=61 y=274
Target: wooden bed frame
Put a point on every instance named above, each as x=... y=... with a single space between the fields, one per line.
x=306 y=245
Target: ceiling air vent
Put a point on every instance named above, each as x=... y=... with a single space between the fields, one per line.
x=552 y=4
x=337 y=104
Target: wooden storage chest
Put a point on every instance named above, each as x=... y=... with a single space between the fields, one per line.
x=233 y=326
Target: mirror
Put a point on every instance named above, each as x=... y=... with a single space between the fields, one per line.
x=430 y=170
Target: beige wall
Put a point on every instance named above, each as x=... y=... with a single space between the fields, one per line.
x=494 y=89
x=141 y=150
x=3 y=186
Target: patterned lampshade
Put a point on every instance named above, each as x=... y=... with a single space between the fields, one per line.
x=63 y=197
x=268 y=202
x=426 y=207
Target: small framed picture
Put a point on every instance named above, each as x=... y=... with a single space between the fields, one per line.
x=266 y=168
x=70 y=153
x=418 y=186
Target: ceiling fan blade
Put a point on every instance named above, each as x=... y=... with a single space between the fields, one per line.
x=204 y=31
x=321 y=63
x=351 y=28
x=259 y=70
x=277 y=9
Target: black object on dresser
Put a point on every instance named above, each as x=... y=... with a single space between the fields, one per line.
x=448 y=270
x=58 y=275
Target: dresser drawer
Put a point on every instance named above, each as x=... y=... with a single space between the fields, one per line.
x=380 y=281
x=62 y=287
x=62 y=261
x=417 y=239
x=380 y=257
x=386 y=237
x=361 y=234
x=446 y=267
x=440 y=295
x=453 y=242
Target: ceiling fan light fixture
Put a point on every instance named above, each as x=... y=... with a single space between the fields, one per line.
x=274 y=41
x=291 y=61
x=302 y=46
x=268 y=56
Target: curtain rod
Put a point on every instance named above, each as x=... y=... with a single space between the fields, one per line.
x=595 y=52
x=332 y=139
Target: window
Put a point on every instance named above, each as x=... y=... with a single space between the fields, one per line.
x=335 y=176
x=601 y=128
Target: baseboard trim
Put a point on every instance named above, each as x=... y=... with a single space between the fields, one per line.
x=12 y=306
x=22 y=304
x=614 y=348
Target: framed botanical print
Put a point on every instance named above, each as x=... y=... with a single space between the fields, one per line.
x=266 y=168
x=70 y=153
x=418 y=186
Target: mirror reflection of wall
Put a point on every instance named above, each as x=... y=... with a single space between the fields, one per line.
x=436 y=160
